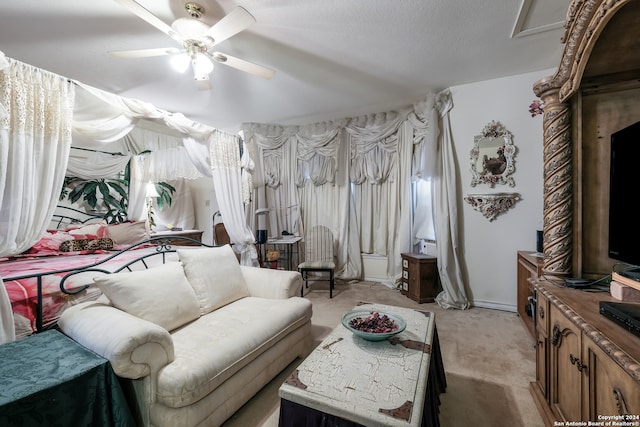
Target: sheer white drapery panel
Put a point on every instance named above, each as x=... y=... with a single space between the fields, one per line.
x=423 y=223
x=96 y=165
x=35 y=139
x=101 y=117
x=453 y=294
x=181 y=213
x=226 y=170
x=168 y=165
x=127 y=111
x=424 y=167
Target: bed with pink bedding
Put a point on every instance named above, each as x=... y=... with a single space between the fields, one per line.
x=39 y=284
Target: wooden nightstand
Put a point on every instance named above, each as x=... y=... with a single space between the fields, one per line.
x=191 y=234
x=420 y=279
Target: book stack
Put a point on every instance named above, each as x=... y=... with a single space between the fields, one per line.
x=624 y=288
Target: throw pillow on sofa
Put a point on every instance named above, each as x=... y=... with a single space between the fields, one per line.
x=215 y=276
x=161 y=295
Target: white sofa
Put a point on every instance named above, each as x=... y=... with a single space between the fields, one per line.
x=196 y=339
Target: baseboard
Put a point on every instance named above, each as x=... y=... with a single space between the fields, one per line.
x=494 y=306
x=384 y=281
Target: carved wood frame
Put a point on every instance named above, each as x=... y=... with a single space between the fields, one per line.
x=585 y=21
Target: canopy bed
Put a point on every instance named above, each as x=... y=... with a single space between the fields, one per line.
x=36 y=290
x=43 y=116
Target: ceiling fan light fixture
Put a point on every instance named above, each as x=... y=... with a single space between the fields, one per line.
x=202 y=66
x=180 y=62
x=190 y=28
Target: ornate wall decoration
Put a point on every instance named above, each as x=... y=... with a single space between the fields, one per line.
x=492 y=205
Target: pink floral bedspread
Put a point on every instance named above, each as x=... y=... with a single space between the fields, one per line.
x=23 y=293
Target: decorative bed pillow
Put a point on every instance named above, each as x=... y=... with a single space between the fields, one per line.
x=50 y=243
x=86 y=245
x=128 y=233
x=215 y=275
x=88 y=231
x=161 y=295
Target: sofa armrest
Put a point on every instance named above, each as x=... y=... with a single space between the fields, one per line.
x=134 y=347
x=269 y=283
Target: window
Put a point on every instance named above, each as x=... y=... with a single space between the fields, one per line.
x=423 y=217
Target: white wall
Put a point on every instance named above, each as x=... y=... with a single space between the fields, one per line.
x=489 y=248
x=204 y=206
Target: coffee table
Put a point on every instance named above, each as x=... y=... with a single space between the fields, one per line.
x=351 y=381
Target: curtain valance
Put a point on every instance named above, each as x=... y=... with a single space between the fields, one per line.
x=97 y=165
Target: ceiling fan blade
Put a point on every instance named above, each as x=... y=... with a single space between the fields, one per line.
x=144 y=53
x=239 y=19
x=241 y=64
x=143 y=13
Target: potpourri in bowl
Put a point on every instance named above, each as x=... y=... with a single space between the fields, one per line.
x=373 y=325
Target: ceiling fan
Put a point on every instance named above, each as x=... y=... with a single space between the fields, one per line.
x=197 y=40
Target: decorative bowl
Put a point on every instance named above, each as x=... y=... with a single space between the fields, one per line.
x=373 y=336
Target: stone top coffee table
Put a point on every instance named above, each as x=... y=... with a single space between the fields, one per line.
x=359 y=382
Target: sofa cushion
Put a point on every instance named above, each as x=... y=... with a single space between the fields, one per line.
x=216 y=346
x=215 y=275
x=161 y=295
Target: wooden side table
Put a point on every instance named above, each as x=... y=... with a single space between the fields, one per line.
x=420 y=279
x=191 y=234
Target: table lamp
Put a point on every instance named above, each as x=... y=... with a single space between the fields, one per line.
x=151 y=194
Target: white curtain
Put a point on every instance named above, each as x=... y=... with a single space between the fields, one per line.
x=36 y=109
x=381 y=153
x=453 y=294
x=322 y=152
x=35 y=138
x=96 y=165
x=226 y=170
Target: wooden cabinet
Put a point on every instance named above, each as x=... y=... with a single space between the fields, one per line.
x=420 y=279
x=542 y=344
x=529 y=269
x=608 y=386
x=565 y=346
x=586 y=365
x=173 y=237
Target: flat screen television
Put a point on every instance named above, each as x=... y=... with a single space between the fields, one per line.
x=624 y=219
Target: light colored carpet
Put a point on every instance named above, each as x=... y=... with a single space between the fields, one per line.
x=488 y=356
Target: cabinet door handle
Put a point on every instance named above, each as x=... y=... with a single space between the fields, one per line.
x=620 y=403
x=555 y=337
x=577 y=362
x=541 y=312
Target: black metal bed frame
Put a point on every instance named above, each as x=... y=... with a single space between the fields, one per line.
x=163 y=246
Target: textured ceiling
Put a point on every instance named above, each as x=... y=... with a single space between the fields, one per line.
x=333 y=58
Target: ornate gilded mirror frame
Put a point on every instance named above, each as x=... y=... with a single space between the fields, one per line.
x=492 y=156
